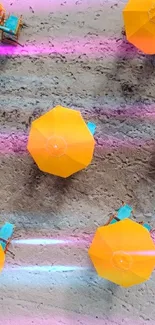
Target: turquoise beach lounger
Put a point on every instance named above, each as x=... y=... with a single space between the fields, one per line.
x=148 y=227
x=10 y=29
x=91 y=127
x=11 y=24
x=6 y=233
x=125 y=212
x=122 y=213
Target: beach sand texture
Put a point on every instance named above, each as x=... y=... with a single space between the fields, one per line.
x=75 y=55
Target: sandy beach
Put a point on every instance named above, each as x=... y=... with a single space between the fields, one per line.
x=74 y=55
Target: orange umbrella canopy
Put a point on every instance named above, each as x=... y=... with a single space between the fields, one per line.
x=2 y=258
x=123 y=253
x=60 y=142
x=139 y=20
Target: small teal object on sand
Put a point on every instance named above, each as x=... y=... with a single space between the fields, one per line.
x=6 y=233
x=123 y=213
x=91 y=127
x=11 y=24
x=148 y=227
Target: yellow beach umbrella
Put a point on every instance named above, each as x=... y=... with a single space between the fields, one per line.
x=139 y=21
x=123 y=253
x=60 y=142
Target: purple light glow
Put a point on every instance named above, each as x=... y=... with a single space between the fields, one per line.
x=70 y=318
x=50 y=5
x=110 y=142
x=136 y=112
x=15 y=143
x=92 y=46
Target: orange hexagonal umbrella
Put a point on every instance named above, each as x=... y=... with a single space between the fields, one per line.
x=139 y=20
x=123 y=253
x=60 y=142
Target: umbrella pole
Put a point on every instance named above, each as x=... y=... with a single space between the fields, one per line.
x=11 y=253
x=7 y=242
x=114 y=216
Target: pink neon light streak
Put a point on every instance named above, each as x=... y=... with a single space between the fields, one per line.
x=16 y=143
x=69 y=317
x=92 y=46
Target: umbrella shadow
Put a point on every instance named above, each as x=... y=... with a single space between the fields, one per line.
x=136 y=68
x=60 y=186
x=122 y=65
x=125 y=48
x=43 y=195
x=34 y=178
x=151 y=169
x=146 y=74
